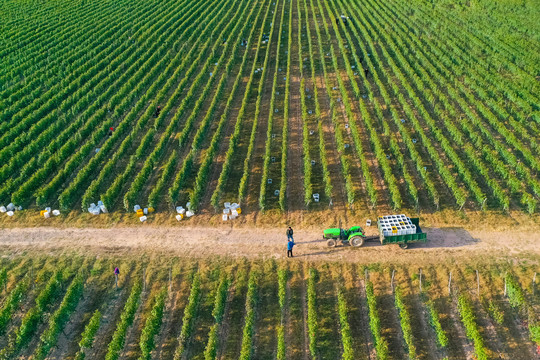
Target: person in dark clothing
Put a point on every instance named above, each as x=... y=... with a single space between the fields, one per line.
x=366 y=71
x=158 y=110
x=111 y=129
x=290 y=245
x=290 y=234
x=116 y=274
x=337 y=21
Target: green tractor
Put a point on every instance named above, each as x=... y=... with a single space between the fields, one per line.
x=353 y=236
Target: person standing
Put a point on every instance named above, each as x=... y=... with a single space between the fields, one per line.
x=290 y=245
x=290 y=234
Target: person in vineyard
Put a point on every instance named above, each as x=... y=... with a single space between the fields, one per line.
x=158 y=110
x=290 y=245
x=366 y=71
x=290 y=234
x=116 y=275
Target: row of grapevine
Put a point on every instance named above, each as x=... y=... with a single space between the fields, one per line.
x=381 y=345
x=126 y=319
x=285 y=129
x=122 y=97
x=313 y=326
x=114 y=190
x=373 y=135
x=345 y=161
x=242 y=188
x=248 y=330
x=61 y=316
x=405 y=321
x=328 y=188
x=434 y=320
x=33 y=316
x=200 y=184
x=58 y=137
x=88 y=335
x=218 y=312
x=512 y=181
x=269 y=129
x=469 y=320
x=209 y=155
x=458 y=192
x=185 y=105
x=457 y=137
x=283 y=276
x=517 y=300
x=345 y=328
x=12 y=302
x=152 y=325
x=190 y=313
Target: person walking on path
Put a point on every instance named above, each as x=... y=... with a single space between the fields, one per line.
x=116 y=273
x=290 y=245
x=290 y=234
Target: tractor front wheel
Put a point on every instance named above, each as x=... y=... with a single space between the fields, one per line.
x=357 y=241
x=331 y=243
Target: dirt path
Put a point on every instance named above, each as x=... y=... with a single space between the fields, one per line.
x=201 y=242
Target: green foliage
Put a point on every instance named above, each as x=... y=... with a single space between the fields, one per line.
x=126 y=319
x=12 y=302
x=468 y=319
x=381 y=345
x=313 y=326
x=405 y=321
x=152 y=325
x=60 y=317
x=346 y=337
x=87 y=337
x=190 y=313
x=210 y=351
x=434 y=320
x=249 y=320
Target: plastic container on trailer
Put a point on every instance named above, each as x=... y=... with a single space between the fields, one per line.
x=151 y=210
x=239 y=210
x=145 y=211
x=227 y=205
x=136 y=208
x=225 y=217
x=143 y=218
x=56 y=212
x=179 y=217
x=226 y=211
x=10 y=213
x=180 y=209
x=103 y=209
x=10 y=207
x=3 y=209
x=47 y=215
x=48 y=209
x=140 y=212
x=189 y=213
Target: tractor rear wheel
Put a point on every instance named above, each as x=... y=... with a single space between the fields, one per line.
x=404 y=246
x=331 y=243
x=357 y=241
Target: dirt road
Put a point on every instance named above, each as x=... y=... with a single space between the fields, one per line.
x=200 y=242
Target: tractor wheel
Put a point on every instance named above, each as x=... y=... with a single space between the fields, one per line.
x=357 y=241
x=331 y=243
x=404 y=246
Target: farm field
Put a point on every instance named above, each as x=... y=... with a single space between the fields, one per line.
x=67 y=306
x=425 y=105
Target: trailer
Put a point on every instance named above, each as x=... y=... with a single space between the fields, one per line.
x=393 y=229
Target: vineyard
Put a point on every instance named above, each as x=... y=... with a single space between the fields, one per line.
x=273 y=104
x=70 y=307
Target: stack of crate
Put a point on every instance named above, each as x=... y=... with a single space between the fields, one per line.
x=391 y=225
